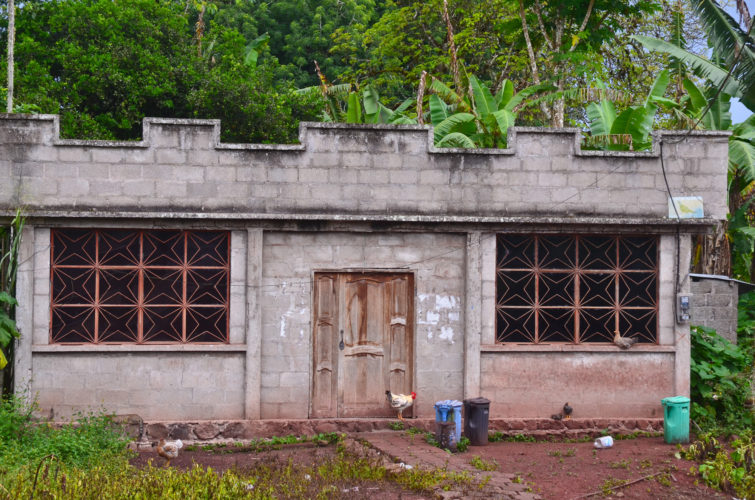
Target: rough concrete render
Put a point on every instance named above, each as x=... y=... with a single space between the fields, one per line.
x=354 y=198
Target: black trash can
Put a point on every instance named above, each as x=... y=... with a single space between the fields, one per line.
x=476 y=417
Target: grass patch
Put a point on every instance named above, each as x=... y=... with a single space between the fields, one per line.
x=269 y=478
x=498 y=436
x=273 y=443
x=637 y=434
x=87 y=441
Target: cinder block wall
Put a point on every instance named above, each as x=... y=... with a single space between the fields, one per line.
x=714 y=304
x=347 y=197
x=180 y=166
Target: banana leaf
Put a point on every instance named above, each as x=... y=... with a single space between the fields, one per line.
x=458 y=122
x=455 y=140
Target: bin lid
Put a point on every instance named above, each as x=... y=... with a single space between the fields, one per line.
x=674 y=400
x=448 y=403
x=477 y=401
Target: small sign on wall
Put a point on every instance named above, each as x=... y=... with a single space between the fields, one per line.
x=689 y=207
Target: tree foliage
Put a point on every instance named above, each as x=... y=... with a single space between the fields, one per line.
x=301 y=31
x=103 y=66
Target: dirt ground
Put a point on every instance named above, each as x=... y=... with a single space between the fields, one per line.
x=572 y=470
x=553 y=470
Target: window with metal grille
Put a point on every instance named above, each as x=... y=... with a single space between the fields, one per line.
x=139 y=286
x=576 y=289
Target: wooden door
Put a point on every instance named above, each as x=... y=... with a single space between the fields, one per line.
x=363 y=343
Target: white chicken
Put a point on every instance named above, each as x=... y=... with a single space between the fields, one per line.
x=623 y=342
x=169 y=449
x=400 y=402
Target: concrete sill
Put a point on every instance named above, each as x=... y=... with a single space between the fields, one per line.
x=134 y=348
x=575 y=348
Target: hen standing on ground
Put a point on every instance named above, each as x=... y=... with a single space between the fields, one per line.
x=400 y=402
x=169 y=449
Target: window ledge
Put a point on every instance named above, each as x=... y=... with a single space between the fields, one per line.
x=648 y=348
x=137 y=348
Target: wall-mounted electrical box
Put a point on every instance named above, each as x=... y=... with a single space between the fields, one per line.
x=682 y=308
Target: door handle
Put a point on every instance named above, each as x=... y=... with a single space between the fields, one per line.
x=341 y=345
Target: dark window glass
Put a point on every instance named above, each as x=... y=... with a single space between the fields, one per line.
x=576 y=289
x=121 y=286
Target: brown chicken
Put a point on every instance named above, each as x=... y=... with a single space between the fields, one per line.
x=623 y=342
x=400 y=402
x=169 y=449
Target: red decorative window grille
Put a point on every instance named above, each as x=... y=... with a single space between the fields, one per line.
x=139 y=286
x=576 y=289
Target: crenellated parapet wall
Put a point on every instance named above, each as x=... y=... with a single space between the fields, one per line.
x=340 y=171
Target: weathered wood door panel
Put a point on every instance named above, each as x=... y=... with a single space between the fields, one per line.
x=324 y=396
x=363 y=343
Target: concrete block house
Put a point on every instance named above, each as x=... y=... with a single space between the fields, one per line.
x=183 y=279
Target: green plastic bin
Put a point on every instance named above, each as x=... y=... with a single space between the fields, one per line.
x=675 y=419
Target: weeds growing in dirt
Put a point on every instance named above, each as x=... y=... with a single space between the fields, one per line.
x=622 y=464
x=558 y=453
x=637 y=434
x=463 y=444
x=498 y=436
x=609 y=484
x=485 y=465
x=266 y=478
x=730 y=469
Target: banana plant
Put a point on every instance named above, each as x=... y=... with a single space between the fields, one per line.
x=343 y=105
x=479 y=119
x=377 y=112
x=708 y=109
x=252 y=50
x=10 y=241
x=630 y=129
x=728 y=39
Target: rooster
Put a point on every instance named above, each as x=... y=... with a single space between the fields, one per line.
x=400 y=402
x=169 y=449
x=623 y=342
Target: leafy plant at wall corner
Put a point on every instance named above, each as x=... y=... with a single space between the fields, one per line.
x=10 y=239
x=629 y=129
x=719 y=382
x=23 y=108
x=478 y=119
